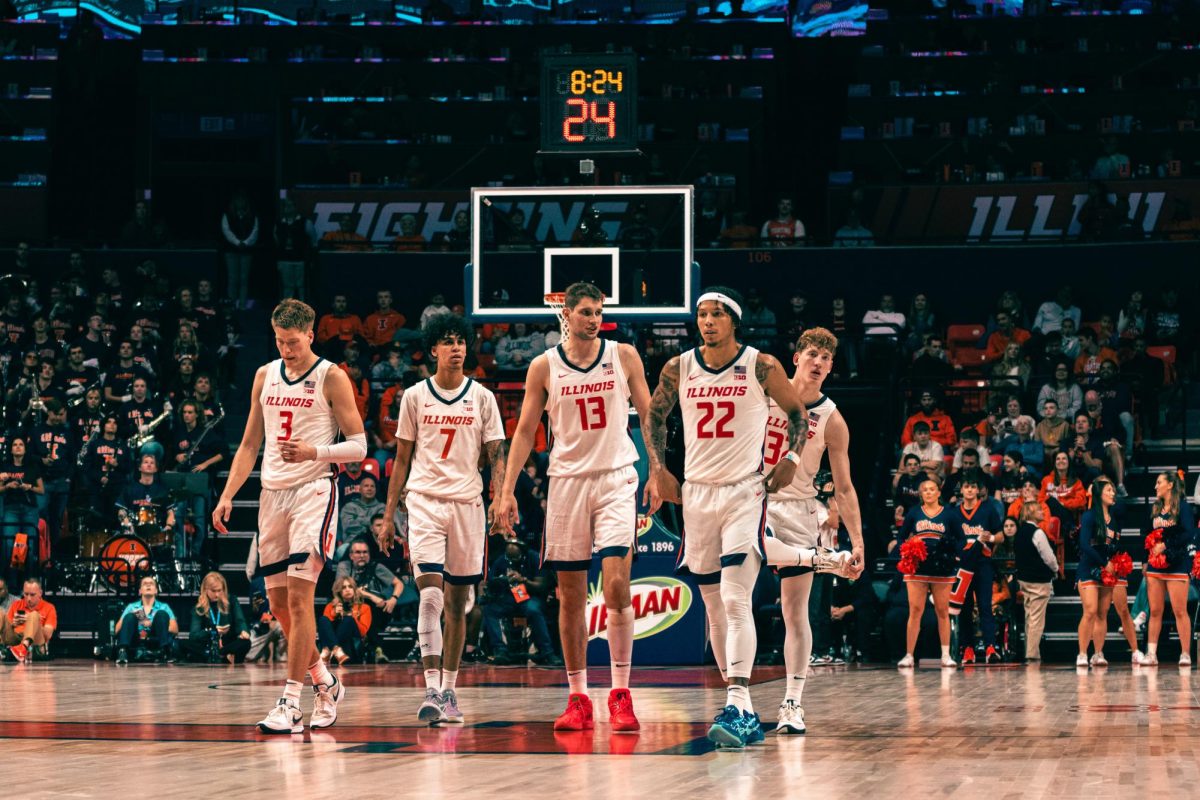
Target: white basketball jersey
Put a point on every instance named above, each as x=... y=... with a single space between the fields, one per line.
x=589 y=413
x=449 y=429
x=775 y=446
x=295 y=410
x=724 y=418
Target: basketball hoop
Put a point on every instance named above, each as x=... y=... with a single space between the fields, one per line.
x=556 y=302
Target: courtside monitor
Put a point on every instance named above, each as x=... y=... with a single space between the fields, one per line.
x=633 y=242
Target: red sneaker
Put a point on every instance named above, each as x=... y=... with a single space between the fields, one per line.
x=620 y=711
x=578 y=716
x=20 y=652
x=968 y=656
x=991 y=656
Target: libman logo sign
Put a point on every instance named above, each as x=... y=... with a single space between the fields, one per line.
x=658 y=603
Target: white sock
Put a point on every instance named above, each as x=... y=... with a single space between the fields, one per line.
x=429 y=622
x=433 y=679
x=945 y=651
x=620 y=645
x=577 y=681
x=739 y=696
x=291 y=690
x=320 y=674
x=449 y=678
x=714 y=610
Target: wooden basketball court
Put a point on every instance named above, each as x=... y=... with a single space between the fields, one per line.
x=92 y=729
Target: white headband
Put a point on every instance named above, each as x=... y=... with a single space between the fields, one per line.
x=720 y=298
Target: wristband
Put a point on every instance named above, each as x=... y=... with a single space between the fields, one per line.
x=791 y=456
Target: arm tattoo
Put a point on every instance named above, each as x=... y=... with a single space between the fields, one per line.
x=797 y=429
x=666 y=395
x=763 y=366
x=495 y=452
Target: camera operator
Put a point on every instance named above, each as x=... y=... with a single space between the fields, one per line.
x=218 y=629
x=342 y=628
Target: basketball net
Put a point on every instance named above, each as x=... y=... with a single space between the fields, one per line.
x=556 y=302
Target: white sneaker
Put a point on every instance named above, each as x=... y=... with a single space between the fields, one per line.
x=1081 y=661
x=1138 y=657
x=1098 y=660
x=1150 y=660
x=907 y=661
x=836 y=562
x=285 y=717
x=325 y=703
x=431 y=711
x=1185 y=660
x=791 y=718
x=949 y=663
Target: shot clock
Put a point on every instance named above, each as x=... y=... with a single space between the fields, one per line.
x=589 y=103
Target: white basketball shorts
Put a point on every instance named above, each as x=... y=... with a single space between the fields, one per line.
x=447 y=538
x=586 y=514
x=296 y=531
x=722 y=524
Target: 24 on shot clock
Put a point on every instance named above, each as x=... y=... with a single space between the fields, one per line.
x=589 y=103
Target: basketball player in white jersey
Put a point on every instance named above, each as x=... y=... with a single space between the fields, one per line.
x=299 y=403
x=722 y=389
x=792 y=513
x=445 y=423
x=586 y=384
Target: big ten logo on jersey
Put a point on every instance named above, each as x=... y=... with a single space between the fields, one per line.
x=739 y=373
x=814 y=422
x=310 y=387
x=658 y=603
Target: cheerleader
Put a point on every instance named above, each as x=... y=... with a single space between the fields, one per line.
x=1169 y=563
x=1101 y=577
x=934 y=529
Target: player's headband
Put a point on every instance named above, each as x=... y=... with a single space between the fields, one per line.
x=729 y=302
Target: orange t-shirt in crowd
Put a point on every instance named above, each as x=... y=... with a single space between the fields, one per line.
x=403 y=244
x=333 y=327
x=998 y=342
x=380 y=327
x=1089 y=366
x=361 y=613
x=44 y=608
x=346 y=241
x=386 y=425
x=362 y=391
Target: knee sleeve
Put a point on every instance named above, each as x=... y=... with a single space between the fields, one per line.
x=741 y=639
x=718 y=625
x=429 y=622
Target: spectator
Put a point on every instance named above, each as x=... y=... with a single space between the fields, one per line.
x=1051 y=429
x=941 y=427
x=1033 y=452
x=1091 y=356
x=239 y=234
x=853 y=233
x=1117 y=402
x=1012 y=370
x=1069 y=344
x=796 y=320
x=922 y=323
x=387 y=595
x=267 y=639
x=1006 y=333
x=20 y=486
x=350 y=480
x=906 y=483
x=293 y=244
x=1112 y=164
x=1106 y=332
x=1131 y=322
x=197 y=449
x=119 y=378
x=784 y=230
x=55 y=448
x=517 y=348
x=344 y=238
x=1086 y=450
x=93 y=343
x=1146 y=373
x=380 y=326
x=1063 y=390
x=359 y=385
x=106 y=466
x=1167 y=325
x=1036 y=570
x=1050 y=355
x=1013 y=474
x=885 y=322
x=142 y=231
x=758 y=323
x=1109 y=445
x=1063 y=493
x=740 y=233
x=146 y=501
x=517 y=587
x=147 y=626
x=339 y=325
x=930 y=452
x=356 y=514
x=218 y=630
x=968 y=439
x=1029 y=494
x=1051 y=313
x=842 y=325
x=29 y=624
x=342 y=628
x=77 y=377
x=437 y=305
x=410 y=239
x=853 y=614
x=931 y=362
x=6 y=599
x=139 y=411
x=970 y=464
x=708 y=220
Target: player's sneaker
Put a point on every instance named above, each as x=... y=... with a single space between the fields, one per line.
x=907 y=661
x=1081 y=660
x=728 y=728
x=949 y=663
x=431 y=709
x=578 y=716
x=968 y=656
x=1139 y=658
x=1185 y=660
x=1150 y=660
x=1098 y=660
x=991 y=656
x=450 y=708
x=791 y=718
x=620 y=711
x=836 y=562
x=325 y=703
x=752 y=729
x=285 y=717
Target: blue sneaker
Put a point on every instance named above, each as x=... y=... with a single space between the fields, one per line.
x=752 y=730
x=728 y=728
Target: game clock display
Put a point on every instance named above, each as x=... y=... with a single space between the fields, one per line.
x=589 y=103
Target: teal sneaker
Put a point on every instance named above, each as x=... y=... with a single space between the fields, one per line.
x=728 y=728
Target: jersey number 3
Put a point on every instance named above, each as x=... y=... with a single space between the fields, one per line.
x=705 y=429
x=285 y=425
